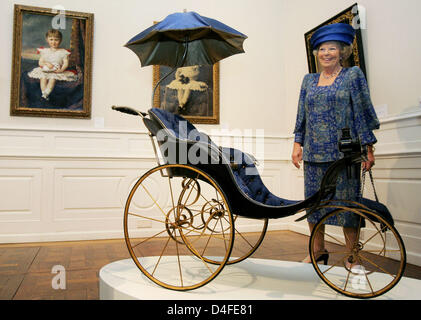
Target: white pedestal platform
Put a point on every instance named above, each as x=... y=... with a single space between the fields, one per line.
x=252 y=279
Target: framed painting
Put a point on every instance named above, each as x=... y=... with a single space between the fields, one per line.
x=349 y=16
x=52 y=63
x=192 y=92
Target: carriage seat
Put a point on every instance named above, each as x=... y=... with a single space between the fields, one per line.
x=242 y=165
x=249 y=181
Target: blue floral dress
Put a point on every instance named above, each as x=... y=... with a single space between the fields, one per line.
x=322 y=113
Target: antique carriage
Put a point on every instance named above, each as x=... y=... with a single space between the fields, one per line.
x=204 y=207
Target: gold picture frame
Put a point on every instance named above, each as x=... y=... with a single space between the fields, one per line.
x=69 y=64
x=192 y=92
x=349 y=16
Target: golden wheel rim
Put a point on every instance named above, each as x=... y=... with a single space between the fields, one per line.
x=364 y=267
x=164 y=232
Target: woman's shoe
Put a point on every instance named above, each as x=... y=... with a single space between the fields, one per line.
x=323 y=257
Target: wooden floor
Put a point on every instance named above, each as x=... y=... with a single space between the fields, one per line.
x=26 y=269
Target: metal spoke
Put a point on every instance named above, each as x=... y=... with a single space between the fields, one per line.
x=336 y=263
x=149 y=238
x=147 y=218
x=210 y=236
x=347 y=280
x=153 y=199
x=376 y=265
x=378 y=232
x=160 y=256
x=382 y=250
x=200 y=257
x=172 y=197
x=200 y=233
x=241 y=235
x=334 y=238
x=178 y=259
x=223 y=233
x=366 y=276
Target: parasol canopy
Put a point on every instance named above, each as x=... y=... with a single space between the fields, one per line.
x=186 y=39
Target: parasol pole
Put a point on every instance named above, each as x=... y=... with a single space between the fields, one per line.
x=183 y=59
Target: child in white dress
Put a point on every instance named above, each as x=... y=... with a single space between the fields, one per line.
x=53 y=63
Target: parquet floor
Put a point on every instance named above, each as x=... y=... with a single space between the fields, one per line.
x=26 y=269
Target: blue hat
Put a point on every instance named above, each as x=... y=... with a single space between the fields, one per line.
x=333 y=32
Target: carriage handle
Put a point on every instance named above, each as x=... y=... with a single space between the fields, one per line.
x=129 y=110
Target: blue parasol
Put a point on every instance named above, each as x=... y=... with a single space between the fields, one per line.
x=186 y=39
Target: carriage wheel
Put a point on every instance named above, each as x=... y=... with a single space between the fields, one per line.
x=249 y=233
x=367 y=267
x=165 y=232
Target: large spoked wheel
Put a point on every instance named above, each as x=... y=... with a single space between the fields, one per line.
x=177 y=223
x=364 y=263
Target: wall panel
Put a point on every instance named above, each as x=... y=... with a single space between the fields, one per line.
x=81 y=181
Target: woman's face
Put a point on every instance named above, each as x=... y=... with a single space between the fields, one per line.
x=53 y=42
x=328 y=54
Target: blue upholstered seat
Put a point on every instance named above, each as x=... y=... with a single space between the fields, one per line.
x=244 y=171
x=179 y=126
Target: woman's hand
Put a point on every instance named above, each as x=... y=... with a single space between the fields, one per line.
x=297 y=155
x=367 y=165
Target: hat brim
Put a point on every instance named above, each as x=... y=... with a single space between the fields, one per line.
x=333 y=32
x=332 y=37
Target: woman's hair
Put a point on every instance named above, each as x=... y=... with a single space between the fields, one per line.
x=54 y=33
x=345 y=50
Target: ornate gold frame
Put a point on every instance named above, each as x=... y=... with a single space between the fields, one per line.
x=349 y=16
x=16 y=109
x=214 y=119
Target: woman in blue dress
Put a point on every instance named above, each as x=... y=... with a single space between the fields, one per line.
x=333 y=99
